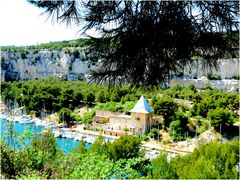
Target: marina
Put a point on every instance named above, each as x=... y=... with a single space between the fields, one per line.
x=65 y=138
x=68 y=138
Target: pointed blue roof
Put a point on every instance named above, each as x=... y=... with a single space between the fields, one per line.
x=142 y=106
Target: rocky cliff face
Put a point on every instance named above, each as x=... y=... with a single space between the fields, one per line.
x=68 y=64
x=75 y=63
x=228 y=68
x=225 y=84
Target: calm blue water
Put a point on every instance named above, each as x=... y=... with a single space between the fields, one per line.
x=63 y=143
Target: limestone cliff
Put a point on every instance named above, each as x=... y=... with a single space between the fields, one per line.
x=66 y=63
x=73 y=63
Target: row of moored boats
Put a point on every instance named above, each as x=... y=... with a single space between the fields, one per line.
x=58 y=132
x=29 y=120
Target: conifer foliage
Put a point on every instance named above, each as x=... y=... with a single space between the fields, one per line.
x=143 y=42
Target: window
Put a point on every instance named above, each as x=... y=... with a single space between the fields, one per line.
x=137 y=116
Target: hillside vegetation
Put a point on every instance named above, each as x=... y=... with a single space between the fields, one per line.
x=121 y=159
x=50 y=46
x=47 y=96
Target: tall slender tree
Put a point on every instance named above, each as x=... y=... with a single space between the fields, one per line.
x=144 y=42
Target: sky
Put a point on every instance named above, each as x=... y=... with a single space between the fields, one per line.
x=22 y=24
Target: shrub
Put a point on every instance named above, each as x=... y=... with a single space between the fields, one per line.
x=111 y=106
x=23 y=55
x=115 y=96
x=125 y=147
x=88 y=116
x=211 y=76
x=145 y=137
x=237 y=77
x=67 y=51
x=219 y=116
x=7 y=160
x=210 y=161
x=76 y=53
x=76 y=117
x=65 y=115
x=162 y=168
x=104 y=120
x=154 y=133
x=89 y=98
x=203 y=107
x=101 y=97
x=178 y=129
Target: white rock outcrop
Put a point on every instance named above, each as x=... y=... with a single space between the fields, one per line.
x=33 y=64
x=225 y=85
x=44 y=63
x=227 y=69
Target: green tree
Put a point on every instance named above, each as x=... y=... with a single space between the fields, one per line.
x=7 y=161
x=115 y=96
x=66 y=97
x=101 y=97
x=178 y=129
x=89 y=98
x=81 y=147
x=162 y=168
x=219 y=116
x=88 y=116
x=232 y=101
x=76 y=53
x=210 y=161
x=203 y=107
x=154 y=133
x=166 y=107
x=125 y=147
x=92 y=166
x=41 y=151
x=99 y=146
x=65 y=115
x=152 y=38
x=78 y=98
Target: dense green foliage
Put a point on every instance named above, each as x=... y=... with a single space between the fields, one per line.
x=178 y=129
x=125 y=147
x=52 y=95
x=49 y=46
x=65 y=115
x=212 y=76
x=209 y=104
x=204 y=100
x=162 y=168
x=166 y=107
x=211 y=161
x=154 y=133
x=42 y=159
x=117 y=106
x=120 y=159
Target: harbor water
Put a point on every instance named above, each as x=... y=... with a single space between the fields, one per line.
x=65 y=144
